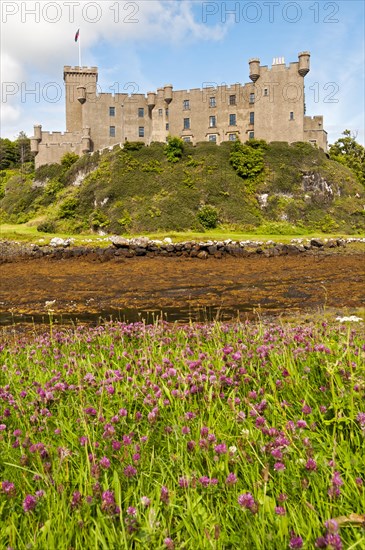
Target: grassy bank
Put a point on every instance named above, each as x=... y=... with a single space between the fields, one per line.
x=260 y=188
x=202 y=436
x=27 y=232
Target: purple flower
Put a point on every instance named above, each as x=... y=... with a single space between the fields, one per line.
x=183 y=482
x=145 y=501
x=8 y=488
x=246 y=500
x=2 y=427
x=164 y=496
x=231 y=479
x=169 y=543
x=280 y=510
x=130 y=471
x=301 y=424
x=334 y=541
x=76 y=499
x=311 y=465
x=108 y=503
x=332 y=526
x=204 y=480
x=296 y=542
x=321 y=542
x=221 y=449
x=361 y=419
x=131 y=511
x=279 y=466
x=105 y=462
x=29 y=503
x=336 y=479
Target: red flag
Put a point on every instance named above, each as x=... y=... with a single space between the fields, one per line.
x=77 y=35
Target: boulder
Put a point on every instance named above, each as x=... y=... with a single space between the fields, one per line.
x=57 y=241
x=120 y=242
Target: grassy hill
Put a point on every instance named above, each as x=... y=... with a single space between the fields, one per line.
x=139 y=189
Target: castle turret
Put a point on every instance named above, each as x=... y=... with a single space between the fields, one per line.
x=36 y=139
x=81 y=94
x=86 y=141
x=304 y=60
x=254 y=69
x=80 y=83
x=168 y=93
x=151 y=99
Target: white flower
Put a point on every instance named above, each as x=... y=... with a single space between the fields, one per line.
x=232 y=449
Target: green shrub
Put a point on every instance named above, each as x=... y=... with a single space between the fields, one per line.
x=246 y=160
x=67 y=207
x=208 y=216
x=47 y=226
x=174 y=149
x=98 y=219
x=133 y=145
x=69 y=159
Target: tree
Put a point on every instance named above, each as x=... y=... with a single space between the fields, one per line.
x=348 y=152
x=8 y=153
x=13 y=154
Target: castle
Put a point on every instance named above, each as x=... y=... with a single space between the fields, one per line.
x=270 y=107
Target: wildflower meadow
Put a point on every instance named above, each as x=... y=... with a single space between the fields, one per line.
x=245 y=435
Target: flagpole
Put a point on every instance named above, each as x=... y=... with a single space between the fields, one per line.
x=79 y=41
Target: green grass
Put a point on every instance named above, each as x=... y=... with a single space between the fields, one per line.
x=27 y=232
x=139 y=191
x=159 y=416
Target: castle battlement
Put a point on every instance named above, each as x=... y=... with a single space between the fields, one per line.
x=269 y=107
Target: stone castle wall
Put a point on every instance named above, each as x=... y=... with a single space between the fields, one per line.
x=271 y=107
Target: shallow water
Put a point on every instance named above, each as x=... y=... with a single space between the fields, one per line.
x=178 y=289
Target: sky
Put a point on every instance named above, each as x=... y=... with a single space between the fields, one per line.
x=141 y=45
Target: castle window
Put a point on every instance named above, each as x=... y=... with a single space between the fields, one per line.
x=232 y=100
x=111 y=111
x=141 y=112
x=141 y=131
x=166 y=112
x=232 y=120
x=212 y=102
x=160 y=112
x=252 y=98
x=291 y=116
x=266 y=91
x=232 y=137
x=252 y=117
x=251 y=135
x=186 y=104
x=212 y=122
x=112 y=131
x=213 y=137
x=186 y=123
x=167 y=126
x=186 y=139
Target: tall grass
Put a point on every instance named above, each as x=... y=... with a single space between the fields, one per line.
x=212 y=436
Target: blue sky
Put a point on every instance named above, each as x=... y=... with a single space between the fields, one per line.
x=182 y=42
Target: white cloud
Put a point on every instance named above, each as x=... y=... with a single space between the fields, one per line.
x=38 y=38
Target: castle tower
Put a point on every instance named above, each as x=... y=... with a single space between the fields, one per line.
x=304 y=60
x=80 y=86
x=254 y=69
